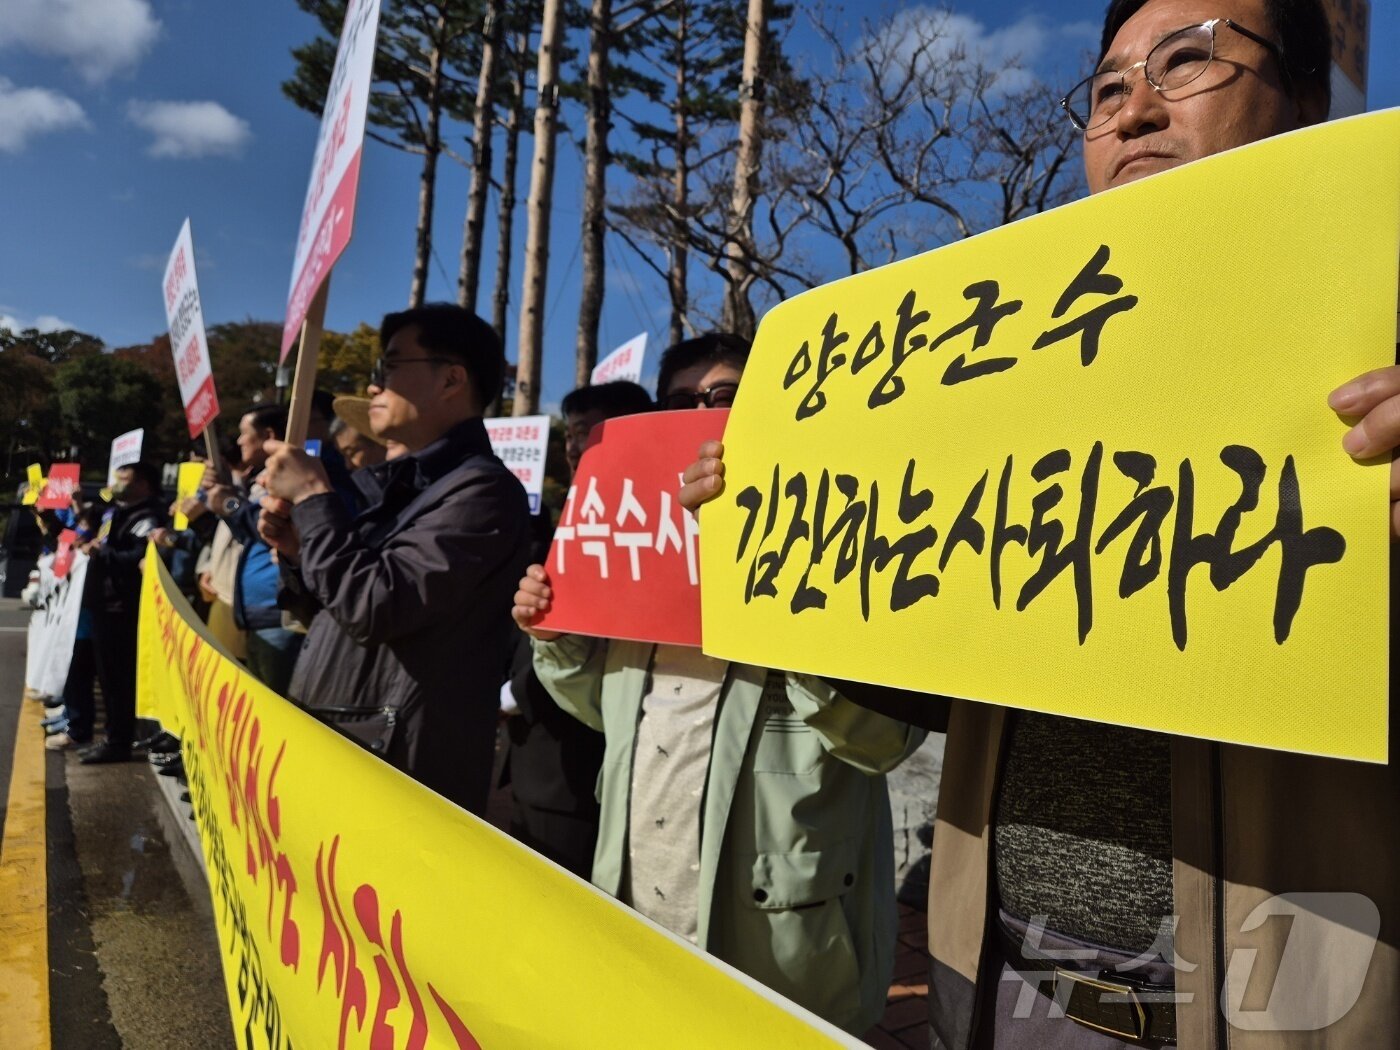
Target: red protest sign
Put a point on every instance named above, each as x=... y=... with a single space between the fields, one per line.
x=63 y=557
x=62 y=484
x=328 y=212
x=183 y=313
x=625 y=562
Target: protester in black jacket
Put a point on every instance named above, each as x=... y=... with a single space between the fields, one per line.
x=553 y=762
x=114 y=595
x=412 y=597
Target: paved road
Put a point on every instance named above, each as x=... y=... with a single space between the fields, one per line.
x=132 y=957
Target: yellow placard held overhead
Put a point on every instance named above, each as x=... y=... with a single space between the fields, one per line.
x=356 y=908
x=36 y=485
x=1084 y=464
x=186 y=485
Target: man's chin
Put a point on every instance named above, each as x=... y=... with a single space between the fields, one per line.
x=380 y=425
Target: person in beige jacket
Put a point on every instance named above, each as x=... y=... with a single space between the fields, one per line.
x=218 y=575
x=1096 y=887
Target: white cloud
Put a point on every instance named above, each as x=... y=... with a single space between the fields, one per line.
x=44 y=322
x=945 y=39
x=26 y=112
x=189 y=130
x=97 y=37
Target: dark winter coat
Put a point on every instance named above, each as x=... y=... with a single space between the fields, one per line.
x=114 y=574
x=413 y=596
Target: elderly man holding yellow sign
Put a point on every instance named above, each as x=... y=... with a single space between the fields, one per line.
x=1166 y=814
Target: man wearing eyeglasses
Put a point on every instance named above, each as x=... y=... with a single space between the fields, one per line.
x=409 y=601
x=1094 y=886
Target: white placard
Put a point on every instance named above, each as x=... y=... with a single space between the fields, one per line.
x=329 y=211
x=126 y=448
x=185 y=318
x=623 y=363
x=520 y=442
x=54 y=625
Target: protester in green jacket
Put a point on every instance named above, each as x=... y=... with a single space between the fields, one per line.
x=796 y=852
x=742 y=808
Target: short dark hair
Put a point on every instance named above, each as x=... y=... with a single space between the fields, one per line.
x=446 y=328
x=323 y=401
x=621 y=397
x=708 y=349
x=146 y=471
x=1304 y=35
x=269 y=416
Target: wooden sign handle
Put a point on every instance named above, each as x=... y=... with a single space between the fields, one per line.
x=211 y=450
x=304 y=379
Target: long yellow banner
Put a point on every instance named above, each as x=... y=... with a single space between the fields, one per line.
x=1084 y=464
x=358 y=909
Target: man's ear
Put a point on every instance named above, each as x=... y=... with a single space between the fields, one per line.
x=459 y=383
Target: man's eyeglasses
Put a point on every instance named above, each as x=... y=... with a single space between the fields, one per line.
x=379 y=371
x=721 y=395
x=1173 y=63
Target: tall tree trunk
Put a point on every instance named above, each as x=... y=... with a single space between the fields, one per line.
x=738 y=311
x=483 y=125
x=537 y=209
x=505 y=218
x=677 y=276
x=427 y=181
x=595 y=189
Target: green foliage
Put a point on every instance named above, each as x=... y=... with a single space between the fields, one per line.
x=63 y=396
x=346 y=359
x=101 y=396
x=53 y=347
x=408 y=32
x=244 y=356
x=27 y=407
x=707 y=37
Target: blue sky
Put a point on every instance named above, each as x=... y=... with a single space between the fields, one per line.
x=120 y=117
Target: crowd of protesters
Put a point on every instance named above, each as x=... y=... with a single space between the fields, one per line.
x=380 y=586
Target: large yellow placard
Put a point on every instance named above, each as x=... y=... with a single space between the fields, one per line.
x=1084 y=464
x=356 y=908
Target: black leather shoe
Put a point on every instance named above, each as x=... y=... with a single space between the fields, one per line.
x=172 y=769
x=163 y=758
x=104 y=752
x=161 y=743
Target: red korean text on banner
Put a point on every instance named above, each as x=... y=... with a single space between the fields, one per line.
x=62 y=485
x=625 y=559
x=63 y=557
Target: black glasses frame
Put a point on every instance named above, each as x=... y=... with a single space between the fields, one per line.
x=683 y=399
x=1084 y=124
x=379 y=371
